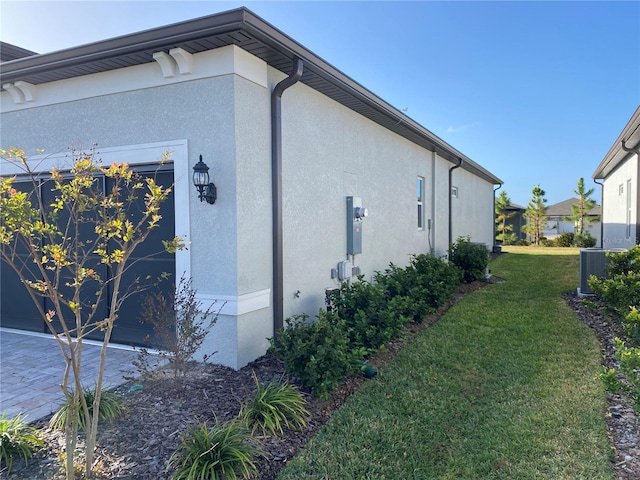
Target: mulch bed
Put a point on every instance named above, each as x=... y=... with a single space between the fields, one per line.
x=139 y=445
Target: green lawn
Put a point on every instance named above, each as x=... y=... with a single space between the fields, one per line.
x=501 y=387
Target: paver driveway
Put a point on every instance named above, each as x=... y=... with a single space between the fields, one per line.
x=31 y=367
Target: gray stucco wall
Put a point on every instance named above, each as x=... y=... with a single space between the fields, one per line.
x=330 y=152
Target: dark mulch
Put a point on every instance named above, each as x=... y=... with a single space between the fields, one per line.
x=139 y=445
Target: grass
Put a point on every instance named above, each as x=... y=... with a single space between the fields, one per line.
x=501 y=387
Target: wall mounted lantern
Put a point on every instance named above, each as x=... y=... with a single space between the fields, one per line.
x=206 y=190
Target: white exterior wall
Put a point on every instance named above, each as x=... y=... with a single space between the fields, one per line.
x=619 y=230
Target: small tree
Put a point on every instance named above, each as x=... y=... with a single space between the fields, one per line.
x=505 y=231
x=63 y=240
x=580 y=210
x=536 y=215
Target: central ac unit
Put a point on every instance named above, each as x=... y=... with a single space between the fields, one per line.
x=593 y=261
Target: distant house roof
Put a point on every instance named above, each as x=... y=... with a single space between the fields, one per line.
x=242 y=28
x=616 y=154
x=10 y=52
x=563 y=209
x=515 y=206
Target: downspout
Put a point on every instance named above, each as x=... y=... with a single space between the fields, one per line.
x=495 y=228
x=276 y=189
x=450 y=202
x=602 y=214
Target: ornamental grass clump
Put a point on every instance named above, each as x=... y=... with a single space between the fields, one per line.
x=223 y=451
x=111 y=407
x=18 y=440
x=274 y=406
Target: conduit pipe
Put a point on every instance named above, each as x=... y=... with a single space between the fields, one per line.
x=460 y=161
x=601 y=211
x=276 y=189
x=495 y=225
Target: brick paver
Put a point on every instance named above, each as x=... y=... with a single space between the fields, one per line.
x=31 y=368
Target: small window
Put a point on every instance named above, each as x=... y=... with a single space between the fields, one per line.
x=620 y=189
x=454 y=192
x=420 y=196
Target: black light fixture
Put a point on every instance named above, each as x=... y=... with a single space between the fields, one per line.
x=206 y=190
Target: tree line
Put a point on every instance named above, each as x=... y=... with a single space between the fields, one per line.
x=536 y=216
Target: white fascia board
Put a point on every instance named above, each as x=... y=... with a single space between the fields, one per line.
x=236 y=305
x=212 y=63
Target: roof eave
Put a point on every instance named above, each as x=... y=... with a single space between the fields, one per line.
x=631 y=136
x=242 y=20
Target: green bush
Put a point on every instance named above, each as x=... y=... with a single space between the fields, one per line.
x=585 y=240
x=471 y=259
x=619 y=293
x=18 y=439
x=437 y=280
x=317 y=352
x=565 y=239
x=111 y=407
x=631 y=326
x=626 y=379
x=363 y=308
x=273 y=406
x=223 y=452
x=622 y=263
x=421 y=288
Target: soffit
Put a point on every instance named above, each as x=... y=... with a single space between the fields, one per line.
x=246 y=30
x=616 y=155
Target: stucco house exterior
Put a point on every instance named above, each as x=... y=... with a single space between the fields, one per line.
x=294 y=146
x=618 y=173
x=557 y=220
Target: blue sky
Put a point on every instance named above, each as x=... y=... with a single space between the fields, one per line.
x=536 y=92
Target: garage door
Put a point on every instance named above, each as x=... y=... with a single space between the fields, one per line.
x=17 y=309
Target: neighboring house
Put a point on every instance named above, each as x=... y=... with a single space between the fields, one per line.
x=292 y=143
x=517 y=221
x=619 y=173
x=10 y=52
x=558 y=223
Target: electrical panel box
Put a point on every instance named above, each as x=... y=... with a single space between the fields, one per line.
x=355 y=215
x=345 y=270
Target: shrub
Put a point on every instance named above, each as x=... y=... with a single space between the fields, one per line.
x=180 y=325
x=584 y=240
x=362 y=307
x=273 y=406
x=565 y=239
x=437 y=280
x=421 y=288
x=318 y=352
x=631 y=326
x=471 y=259
x=18 y=439
x=111 y=407
x=221 y=452
x=622 y=263
x=619 y=293
x=627 y=379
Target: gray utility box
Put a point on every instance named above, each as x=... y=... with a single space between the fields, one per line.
x=355 y=215
x=593 y=261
